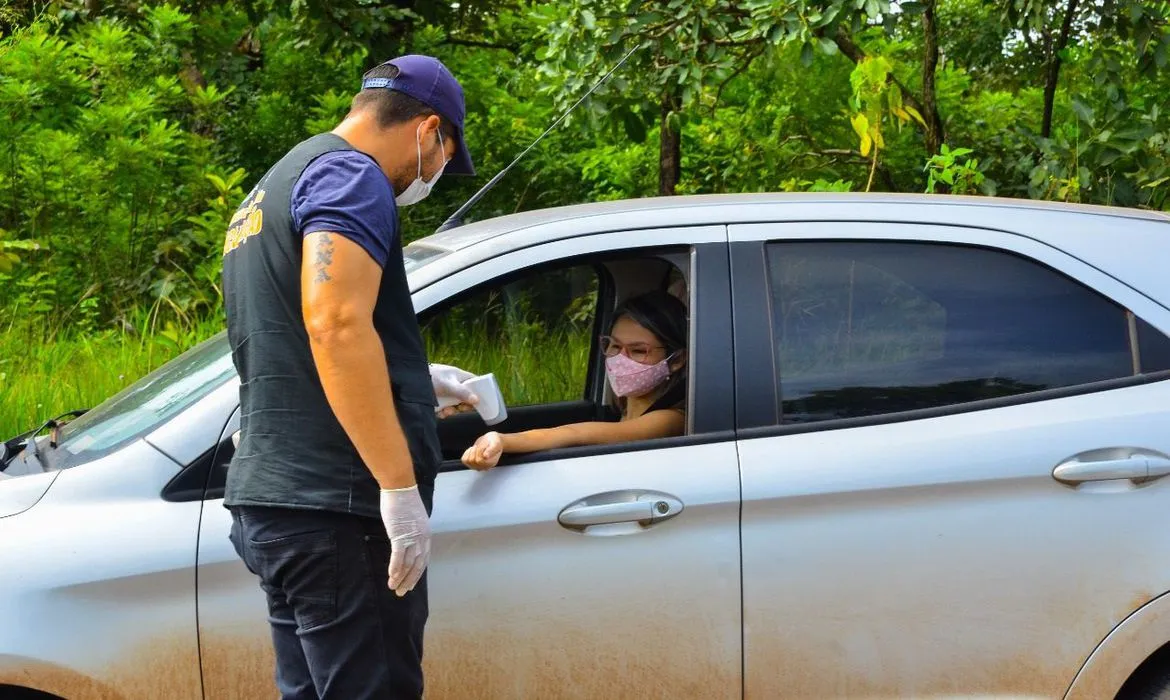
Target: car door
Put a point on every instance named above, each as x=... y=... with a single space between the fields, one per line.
x=952 y=442
x=235 y=647
x=645 y=603
x=584 y=572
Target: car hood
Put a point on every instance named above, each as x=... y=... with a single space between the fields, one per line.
x=22 y=483
x=19 y=493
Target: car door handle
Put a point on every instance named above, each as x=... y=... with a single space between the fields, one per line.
x=1137 y=466
x=627 y=506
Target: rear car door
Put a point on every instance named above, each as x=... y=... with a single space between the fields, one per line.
x=527 y=598
x=952 y=443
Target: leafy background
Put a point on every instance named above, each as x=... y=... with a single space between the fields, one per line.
x=129 y=131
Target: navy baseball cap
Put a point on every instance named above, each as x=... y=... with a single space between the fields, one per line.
x=427 y=80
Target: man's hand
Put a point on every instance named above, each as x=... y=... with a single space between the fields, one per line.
x=485 y=453
x=409 y=530
x=453 y=396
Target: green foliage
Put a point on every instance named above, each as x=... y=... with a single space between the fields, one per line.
x=100 y=169
x=818 y=185
x=129 y=132
x=876 y=99
x=961 y=176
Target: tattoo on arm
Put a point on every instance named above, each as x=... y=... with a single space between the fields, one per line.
x=324 y=258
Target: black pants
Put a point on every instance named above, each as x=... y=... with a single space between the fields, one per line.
x=339 y=632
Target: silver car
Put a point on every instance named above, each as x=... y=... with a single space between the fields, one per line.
x=926 y=442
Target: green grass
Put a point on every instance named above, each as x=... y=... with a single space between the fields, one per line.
x=531 y=369
x=40 y=380
x=46 y=371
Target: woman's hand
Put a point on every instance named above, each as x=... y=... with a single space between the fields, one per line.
x=448 y=411
x=485 y=453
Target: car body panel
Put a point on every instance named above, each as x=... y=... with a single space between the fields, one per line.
x=236 y=647
x=521 y=607
x=937 y=556
x=1132 y=642
x=19 y=494
x=113 y=581
x=690 y=210
x=555 y=613
x=185 y=439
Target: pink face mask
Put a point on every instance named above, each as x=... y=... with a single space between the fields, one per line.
x=630 y=378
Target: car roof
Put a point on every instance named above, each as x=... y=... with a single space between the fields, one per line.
x=673 y=211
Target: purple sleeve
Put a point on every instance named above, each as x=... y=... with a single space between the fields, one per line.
x=345 y=192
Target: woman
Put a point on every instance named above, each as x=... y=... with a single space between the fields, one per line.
x=645 y=361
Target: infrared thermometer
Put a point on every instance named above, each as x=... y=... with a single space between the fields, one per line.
x=491 y=407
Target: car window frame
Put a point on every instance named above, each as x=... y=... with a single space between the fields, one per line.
x=757 y=386
x=709 y=420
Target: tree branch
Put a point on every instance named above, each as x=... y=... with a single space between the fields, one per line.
x=663 y=30
x=852 y=157
x=456 y=41
x=739 y=42
x=1028 y=41
x=745 y=62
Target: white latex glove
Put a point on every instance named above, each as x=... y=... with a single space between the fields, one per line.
x=449 y=389
x=485 y=453
x=409 y=529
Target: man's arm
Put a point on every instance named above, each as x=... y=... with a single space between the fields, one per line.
x=339 y=288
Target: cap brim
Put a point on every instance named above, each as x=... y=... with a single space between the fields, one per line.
x=461 y=163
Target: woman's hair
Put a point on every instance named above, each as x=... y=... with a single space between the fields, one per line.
x=665 y=316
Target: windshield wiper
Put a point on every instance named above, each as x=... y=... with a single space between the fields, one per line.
x=27 y=441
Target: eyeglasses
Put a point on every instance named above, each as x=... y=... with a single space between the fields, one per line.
x=638 y=352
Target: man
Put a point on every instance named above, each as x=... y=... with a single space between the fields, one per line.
x=333 y=477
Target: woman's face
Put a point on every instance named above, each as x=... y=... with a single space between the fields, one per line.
x=637 y=342
x=640 y=345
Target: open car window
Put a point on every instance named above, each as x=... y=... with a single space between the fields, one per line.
x=534 y=333
x=537 y=330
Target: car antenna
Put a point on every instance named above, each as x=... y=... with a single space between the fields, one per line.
x=456 y=219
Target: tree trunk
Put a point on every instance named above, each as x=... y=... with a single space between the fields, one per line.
x=669 y=146
x=1054 y=62
x=934 y=127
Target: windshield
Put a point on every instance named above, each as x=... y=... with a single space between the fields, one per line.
x=147 y=404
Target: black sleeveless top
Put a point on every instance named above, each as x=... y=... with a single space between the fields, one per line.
x=293 y=452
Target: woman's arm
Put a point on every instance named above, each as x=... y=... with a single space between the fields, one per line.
x=488 y=449
x=656 y=424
